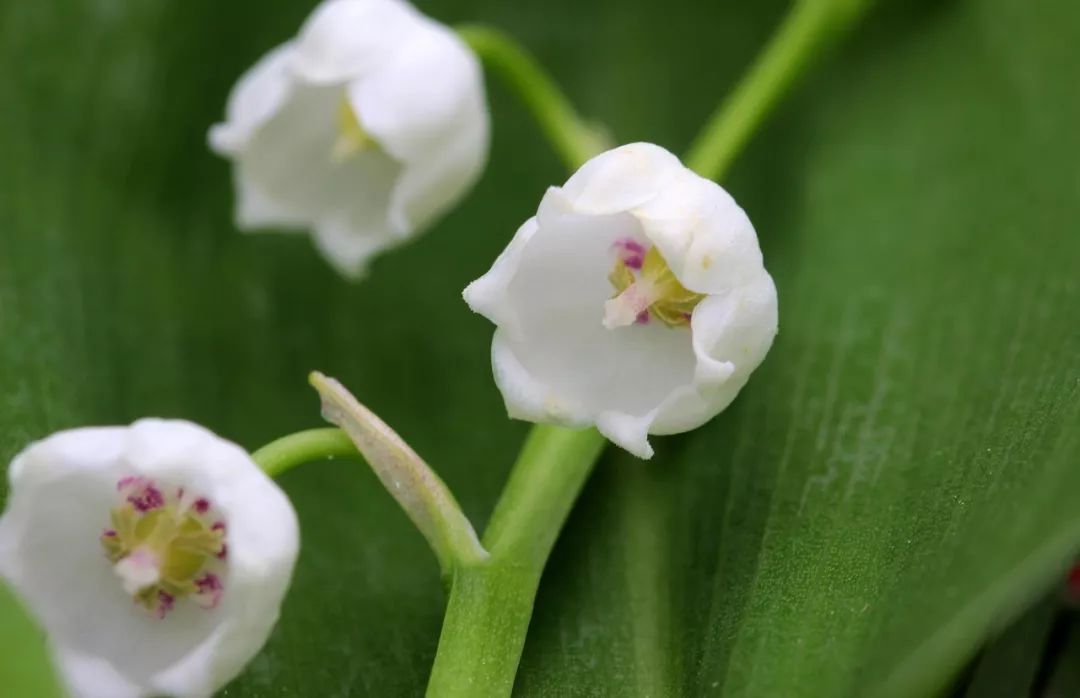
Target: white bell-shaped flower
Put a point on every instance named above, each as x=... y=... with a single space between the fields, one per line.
x=364 y=129
x=635 y=300
x=155 y=556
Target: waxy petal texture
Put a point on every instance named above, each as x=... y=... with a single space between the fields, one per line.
x=635 y=301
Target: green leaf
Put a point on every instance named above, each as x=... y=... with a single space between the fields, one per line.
x=25 y=669
x=1011 y=664
x=896 y=482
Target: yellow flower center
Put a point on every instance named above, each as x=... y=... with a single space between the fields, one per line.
x=653 y=292
x=352 y=138
x=163 y=549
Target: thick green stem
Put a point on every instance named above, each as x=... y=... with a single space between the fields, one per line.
x=550 y=471
x=302 y=447
x=491 y=602
x=487 y=618
x=574 y=140
x=808 y=28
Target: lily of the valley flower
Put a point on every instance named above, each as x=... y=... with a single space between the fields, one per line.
x=155 y=556
x=635 y=300
x=364 y=129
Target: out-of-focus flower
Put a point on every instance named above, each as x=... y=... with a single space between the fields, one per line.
x=635 y=300
x=364 y=129
x=155 y=556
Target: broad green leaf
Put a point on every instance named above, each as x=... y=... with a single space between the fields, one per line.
x=25 y=669
x=898 y=480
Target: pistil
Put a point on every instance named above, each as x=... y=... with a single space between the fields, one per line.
x=352 y=138
x=652 y=292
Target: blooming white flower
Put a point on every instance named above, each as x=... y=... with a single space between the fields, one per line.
x=364 y=129
x=155 y=556
x=635 y=300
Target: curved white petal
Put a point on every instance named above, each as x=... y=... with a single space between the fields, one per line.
x=628 y=431
x=349 y=242
x=255 y=208
x=257 y=96
x=526 y=397
x=554 y=358
x=426 y=107
x=288 y=177
x=706 y=238
x=432 y=183
x=89 y=676
x=62 y=489
x=487 y=295
x=622 y=179
x=344 y=40
x=731 y=335
x=289 y=160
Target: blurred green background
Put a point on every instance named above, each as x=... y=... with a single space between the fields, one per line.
x=899 y=480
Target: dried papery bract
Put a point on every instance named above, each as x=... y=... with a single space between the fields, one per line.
x=412 y=482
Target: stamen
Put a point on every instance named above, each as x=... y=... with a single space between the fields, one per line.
x=210 y=591
x=653 y=292
x=220 y=526
x=165 y=602
x=631 y=252
x=352 y=138
x=141 y=493
x=164 y=549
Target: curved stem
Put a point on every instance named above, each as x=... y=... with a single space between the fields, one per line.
x=491 y=596
x=491 y=603
x=289 y=451
x=574 y=139
x=808 y=28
